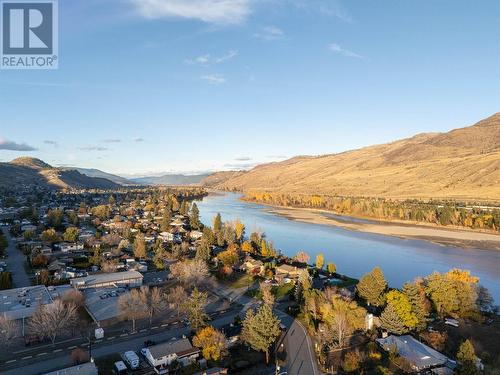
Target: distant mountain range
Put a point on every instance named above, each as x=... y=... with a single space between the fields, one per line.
x=92 y=172
x=25 y=171
x=463 y=163
x=171 y=179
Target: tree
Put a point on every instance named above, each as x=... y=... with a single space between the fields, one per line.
x=391 y=321
x=52 y=319
x=466 y=356
x=153 y=301
x=71 y=234
x=217 y=223
x=320 y=261
x=131 y=306
x=195 y=309
x=203 y=250
x=261 y=329
x=191 y=272
x=372 y=286
x=267 y=294
x=484 y=301
x=343 y=318
x=165 y=221
x=9 y=329
x=75 y=297
x=403 y=308
x=302 y=257
x=212 y=342
x=194 y=217
x=139 y=246
x=177 y=296
x=228 y=257
x=263 y=248
x=420 y=305
x=246 y=247
x=79 y=356
x=331 y=268
x=352 y=361
x=239 y=228
x=49 y=235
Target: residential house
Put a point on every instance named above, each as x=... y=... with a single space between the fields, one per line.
x=162 y=355
x=286 y=271
x=66 y=247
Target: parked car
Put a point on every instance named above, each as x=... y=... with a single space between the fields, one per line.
x=119 y=368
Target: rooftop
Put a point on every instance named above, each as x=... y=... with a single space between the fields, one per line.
x=21 y=303
x=170 y=347
x=419 y=355
x=118 y=277
x=102 y=303
x=88 y=368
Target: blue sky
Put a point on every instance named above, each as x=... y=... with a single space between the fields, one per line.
x=150 y=86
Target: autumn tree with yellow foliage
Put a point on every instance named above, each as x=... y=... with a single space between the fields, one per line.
x=212 y=342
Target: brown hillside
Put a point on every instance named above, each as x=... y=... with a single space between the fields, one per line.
x=31 y=171
x=462 y=163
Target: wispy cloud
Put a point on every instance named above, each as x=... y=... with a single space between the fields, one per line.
x=207 y=59
x=93 y=148
x=270 y=33
x=13 y=146
x=243 y=158
x=239 y=166
x=50 y=142
x=112 y=140
x=138 y=139
x=209 y=11
x=334 y=47
x=214 y=79
x=330 y=8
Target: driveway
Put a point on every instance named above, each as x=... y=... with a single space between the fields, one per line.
x=16 y=261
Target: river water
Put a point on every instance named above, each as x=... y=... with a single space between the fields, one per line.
x=355 y=253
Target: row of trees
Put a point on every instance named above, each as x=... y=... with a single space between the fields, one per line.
x=437 y=212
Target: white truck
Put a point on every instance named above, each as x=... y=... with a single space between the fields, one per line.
x=132 y=359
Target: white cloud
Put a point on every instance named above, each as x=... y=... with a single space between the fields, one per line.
x=209 y=11
x=207 y=59
x=334 y=47
x=214 y=79
x=270 y=33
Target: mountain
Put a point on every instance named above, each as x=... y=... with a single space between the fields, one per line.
x=463 y=163
x=91 y=172
x=31 y=171
x=170 y=179
x=219 y=178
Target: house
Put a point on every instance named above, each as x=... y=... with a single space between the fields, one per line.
x=88 y=368
x=125 y=279
x=162 y=355
x=419 y=356
x=213 y=371
x=284 y=271
x=252 y=266
x=167 y=236
x=195 y=235
x=66 y=247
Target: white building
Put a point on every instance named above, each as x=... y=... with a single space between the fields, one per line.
x=102 y=280
x=162 y=355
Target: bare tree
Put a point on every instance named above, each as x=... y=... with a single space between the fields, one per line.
x=177 y=296
x=75 y=297
x=191 y=272
x=9 y=329
x=132 y=306
x=153 y=301
x=53 y=319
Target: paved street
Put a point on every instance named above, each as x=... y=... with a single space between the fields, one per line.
x=15 y=263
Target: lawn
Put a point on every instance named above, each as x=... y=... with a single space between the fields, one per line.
x=242 y=280
x=283 y=290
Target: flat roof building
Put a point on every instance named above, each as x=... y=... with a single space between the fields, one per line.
x=88 y=368
x=21 y=303
x=103 y=280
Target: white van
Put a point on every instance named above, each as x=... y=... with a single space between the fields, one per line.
x=132 y=359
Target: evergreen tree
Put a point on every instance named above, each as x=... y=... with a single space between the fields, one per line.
x=217 y=223
x=403 y=308
x=203 y=250
x=166 y=219
x=390 y=321
x=195 y=308
x=194 y=217
x=139 y=246
x=372 y=286
x=466 y=356
x=261 y=329
x=419 y=304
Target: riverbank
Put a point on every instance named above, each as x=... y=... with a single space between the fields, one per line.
x=442 y=236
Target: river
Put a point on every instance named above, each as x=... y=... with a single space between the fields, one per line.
x=355 y=253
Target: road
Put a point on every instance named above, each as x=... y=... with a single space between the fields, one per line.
x=16 y=261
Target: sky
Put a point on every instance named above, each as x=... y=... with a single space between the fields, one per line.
x=153 y=86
